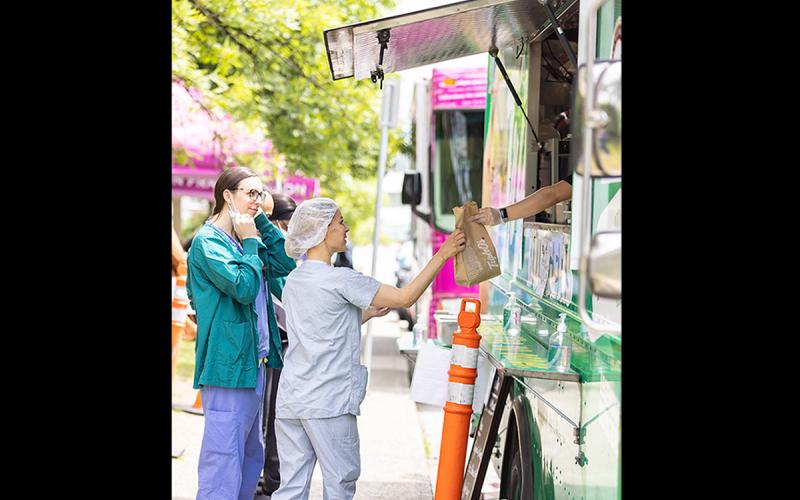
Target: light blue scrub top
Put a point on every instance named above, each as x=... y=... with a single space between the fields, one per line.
x=322 y=376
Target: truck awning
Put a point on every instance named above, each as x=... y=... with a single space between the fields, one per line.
x=436 y=34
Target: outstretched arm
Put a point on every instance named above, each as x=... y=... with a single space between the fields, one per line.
x=390 y=296
x=531 y=205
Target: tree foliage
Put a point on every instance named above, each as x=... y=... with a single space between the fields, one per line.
x=264 y=63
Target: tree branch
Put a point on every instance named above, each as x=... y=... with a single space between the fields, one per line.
x=219 y=24
x=288 y=60
x=180 y=81
x=215 y=18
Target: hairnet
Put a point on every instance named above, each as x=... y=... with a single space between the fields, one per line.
x=308 y=225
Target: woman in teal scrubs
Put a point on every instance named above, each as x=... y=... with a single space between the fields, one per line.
x=231 y=259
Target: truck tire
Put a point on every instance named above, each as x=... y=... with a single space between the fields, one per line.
x=516 y=478
x=511 y=473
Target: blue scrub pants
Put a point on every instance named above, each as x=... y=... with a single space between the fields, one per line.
x=232 y=453
x=334 y=441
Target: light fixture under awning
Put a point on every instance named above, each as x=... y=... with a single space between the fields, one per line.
x=436 y=34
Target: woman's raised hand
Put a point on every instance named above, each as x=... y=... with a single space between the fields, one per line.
x=245 y=226
x=454 y=244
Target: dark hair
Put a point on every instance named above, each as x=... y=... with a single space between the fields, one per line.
x=284 y=207
x=229 y=179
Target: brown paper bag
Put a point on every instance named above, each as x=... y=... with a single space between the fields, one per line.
x=478 y=262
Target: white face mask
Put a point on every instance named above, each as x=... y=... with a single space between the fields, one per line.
x=234 y=213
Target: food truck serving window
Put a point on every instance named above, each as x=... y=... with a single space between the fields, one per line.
x=457 y=163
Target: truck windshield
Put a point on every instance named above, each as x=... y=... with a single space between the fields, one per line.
x=458 y=163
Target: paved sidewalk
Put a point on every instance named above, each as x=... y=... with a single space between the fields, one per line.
x=400 y=439
x=393 y=460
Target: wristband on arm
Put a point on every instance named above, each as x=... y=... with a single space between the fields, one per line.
x=504 y=214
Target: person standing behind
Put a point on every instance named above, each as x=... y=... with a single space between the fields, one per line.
x=279 y=209
x=231 y=257
x=344 y=259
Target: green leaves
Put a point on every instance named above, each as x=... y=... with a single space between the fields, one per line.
x=264 y=63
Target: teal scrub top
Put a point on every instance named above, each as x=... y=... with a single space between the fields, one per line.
x=222 y=284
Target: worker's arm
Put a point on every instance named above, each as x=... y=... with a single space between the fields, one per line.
x=390 y=296
x=532 y=204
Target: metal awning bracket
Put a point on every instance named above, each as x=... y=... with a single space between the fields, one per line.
x=494 y=53
x=377 y=73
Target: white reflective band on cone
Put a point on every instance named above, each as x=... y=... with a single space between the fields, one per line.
x=464 y=356
x=179 y=315
x=180 y=293
x=460 y=393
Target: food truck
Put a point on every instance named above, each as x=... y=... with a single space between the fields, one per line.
x=548 y=432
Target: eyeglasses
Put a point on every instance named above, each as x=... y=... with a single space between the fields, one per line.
x=253 y=194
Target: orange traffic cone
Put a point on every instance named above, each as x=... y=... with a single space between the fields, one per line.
x=190 y=328
x=197 y=407
x=180 y=281
x=179 y=304
x=458 y=409
x=178 y=328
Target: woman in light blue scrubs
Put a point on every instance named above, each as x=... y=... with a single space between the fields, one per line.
x=323 y=383
x=231 y=259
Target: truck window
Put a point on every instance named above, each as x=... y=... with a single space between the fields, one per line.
x=457 y=163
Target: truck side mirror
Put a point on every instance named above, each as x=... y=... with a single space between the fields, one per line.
x=605 y=120
x=412 y=189
x=605 y=264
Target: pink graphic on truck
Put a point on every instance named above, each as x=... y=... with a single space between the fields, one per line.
x=451 y=169
x=458 y=88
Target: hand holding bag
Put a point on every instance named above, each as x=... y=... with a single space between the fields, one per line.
x=478 y=262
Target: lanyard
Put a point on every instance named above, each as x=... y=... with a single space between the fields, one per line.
x=232 y=240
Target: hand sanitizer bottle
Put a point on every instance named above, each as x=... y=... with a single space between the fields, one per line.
x=418 y=334
x=512 y=316
x=560 y=347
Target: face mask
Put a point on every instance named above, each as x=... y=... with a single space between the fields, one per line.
x=234 y=213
